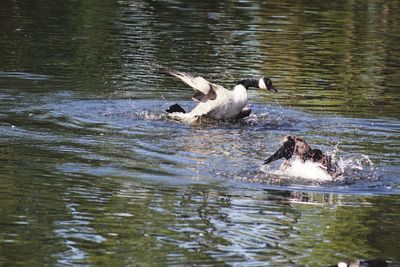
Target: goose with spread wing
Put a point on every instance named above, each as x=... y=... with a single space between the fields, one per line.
x=297 y=146
x=214 y=101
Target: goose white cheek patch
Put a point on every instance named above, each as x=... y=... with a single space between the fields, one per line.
x=261 y=84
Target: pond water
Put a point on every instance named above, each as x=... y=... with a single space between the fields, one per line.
x=92 y=172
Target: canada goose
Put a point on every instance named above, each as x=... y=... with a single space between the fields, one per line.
x=214 y=101
x=299 y=147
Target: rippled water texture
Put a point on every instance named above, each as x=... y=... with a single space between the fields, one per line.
x=93 y=172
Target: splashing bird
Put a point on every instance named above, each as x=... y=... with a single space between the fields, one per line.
x=216 y=102
x=294 y=145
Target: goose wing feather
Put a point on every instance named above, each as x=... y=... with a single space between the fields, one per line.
x=198 y=83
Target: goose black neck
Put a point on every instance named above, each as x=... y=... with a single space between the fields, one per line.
x=249 y=83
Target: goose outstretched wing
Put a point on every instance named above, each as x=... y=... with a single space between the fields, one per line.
x=198 y=83
x=204 y=89
x=285 y=151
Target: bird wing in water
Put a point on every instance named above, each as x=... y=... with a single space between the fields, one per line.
x=285 y=151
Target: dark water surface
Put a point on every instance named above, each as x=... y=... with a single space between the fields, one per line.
x=93 y=173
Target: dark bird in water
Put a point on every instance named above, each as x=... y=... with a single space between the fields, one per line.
x=362 y=263
x=214 y=101
x=293 y=145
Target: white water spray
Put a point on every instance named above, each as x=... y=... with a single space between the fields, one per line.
x=314 y=172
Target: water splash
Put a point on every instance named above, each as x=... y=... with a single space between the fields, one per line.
x=355 y=162
x=349 y=170
x=308 y=171
x=357 y=168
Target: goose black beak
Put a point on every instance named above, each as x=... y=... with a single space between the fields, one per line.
x=271 y=88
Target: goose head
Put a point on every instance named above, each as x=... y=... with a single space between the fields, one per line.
x=262 y=83
x=266 y=83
